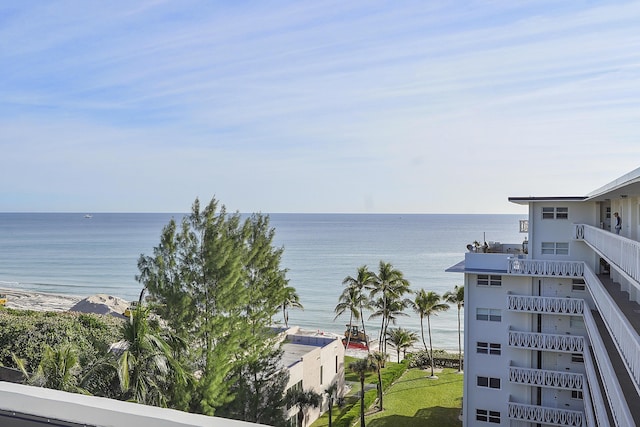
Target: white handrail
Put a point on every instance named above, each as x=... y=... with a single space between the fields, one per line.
x=548 y=305
x=549 y=342
x=546 y=378
x=549 y=416
x=537 y=267
x=615 y=396
x=624 y=336
x=619 y=250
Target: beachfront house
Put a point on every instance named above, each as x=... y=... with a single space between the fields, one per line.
x=551 y=324
x=315 y=360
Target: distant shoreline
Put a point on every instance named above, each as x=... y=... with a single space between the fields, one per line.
x=38 y=301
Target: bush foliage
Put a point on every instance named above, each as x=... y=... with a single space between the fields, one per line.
x=26 y=333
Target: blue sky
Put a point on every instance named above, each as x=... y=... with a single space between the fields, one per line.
x=318 y=106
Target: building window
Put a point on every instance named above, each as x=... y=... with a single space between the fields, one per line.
x=489 y=280
x=491 y=348
x=321 y=372
x=336 y=364
x=488 y=382
x=555 y=248
x=577 y=394
x=578 y=285
x=489 y=314
x=555 y=213
x=577 y=358
x=488 y=416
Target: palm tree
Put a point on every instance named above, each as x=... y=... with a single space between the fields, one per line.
x=428 y=304
x=57 y=369
x=349 y=300
x=457 y=297
x=401 y=339
x=364 y=280
x=146 y=364
x=390 y=285
x=378 y=359
x=361 y=367
x=291 y=299
x=331 y=394
x=303 y=399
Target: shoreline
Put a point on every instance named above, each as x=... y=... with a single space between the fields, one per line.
x=38 y=301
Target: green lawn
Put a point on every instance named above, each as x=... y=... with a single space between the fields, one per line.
x=414 y=401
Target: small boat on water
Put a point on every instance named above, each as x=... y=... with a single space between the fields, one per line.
x=355 y=338
x=88 y=216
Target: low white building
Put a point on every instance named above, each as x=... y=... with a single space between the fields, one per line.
x=315 y=360
x=552 y=323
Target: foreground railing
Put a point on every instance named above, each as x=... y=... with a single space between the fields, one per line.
x=546 y=378
x=545 y=305
x=609 y=379
x=618 y=250
x=548 y=342
x=549 y=416
x=624 y=336
x=533 y=267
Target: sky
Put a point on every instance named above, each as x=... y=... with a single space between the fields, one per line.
x=314 y=106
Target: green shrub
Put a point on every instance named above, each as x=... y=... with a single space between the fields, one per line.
x=26 y=332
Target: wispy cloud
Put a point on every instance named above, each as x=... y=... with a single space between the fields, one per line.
x=313 y=106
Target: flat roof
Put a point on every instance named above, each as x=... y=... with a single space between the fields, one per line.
x=627 y=184
x=292 y=353
x=527 y=200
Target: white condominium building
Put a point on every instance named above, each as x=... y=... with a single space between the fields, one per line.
x=551 y=323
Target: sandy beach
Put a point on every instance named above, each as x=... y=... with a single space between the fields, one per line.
x=42 y=301
x=31 y=300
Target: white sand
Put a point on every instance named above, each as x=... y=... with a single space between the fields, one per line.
x=42 y=301
x=31 y=300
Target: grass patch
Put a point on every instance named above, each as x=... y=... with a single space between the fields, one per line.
x=416 y=401
x=412 y=401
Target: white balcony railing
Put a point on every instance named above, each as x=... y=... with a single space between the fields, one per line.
x=618 y=250
x=548 y=342
x=533 y=267
x=546 y=305
x=546 y=378
x=608 y=378
x=544 y=415
x=623 y=334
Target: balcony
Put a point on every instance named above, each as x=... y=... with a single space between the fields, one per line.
x=546 y=378
x=545 y=305
x=547 y=342
x=621 y=252
x=545 y=415
x=532 y=267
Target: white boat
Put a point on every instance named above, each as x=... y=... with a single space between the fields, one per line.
x=87 y=216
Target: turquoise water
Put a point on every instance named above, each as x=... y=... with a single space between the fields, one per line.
x=66 y=253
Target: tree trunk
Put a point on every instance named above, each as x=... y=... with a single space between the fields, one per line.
x=380 y=388
x=349 y=333
x=362 y=400
x=422 y=333
x=364 y=331
x=430 y=344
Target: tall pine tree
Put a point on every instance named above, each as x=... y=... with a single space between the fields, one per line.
x=217 y=282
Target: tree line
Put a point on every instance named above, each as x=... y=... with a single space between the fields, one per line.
x=385 y=294
x=202 y=340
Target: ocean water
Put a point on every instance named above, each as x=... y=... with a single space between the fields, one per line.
x=66 y=253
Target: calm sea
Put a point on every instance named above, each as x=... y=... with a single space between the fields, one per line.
x=67 y=253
